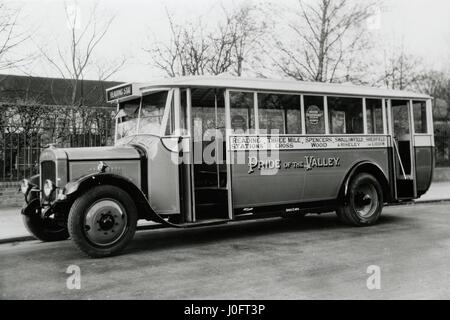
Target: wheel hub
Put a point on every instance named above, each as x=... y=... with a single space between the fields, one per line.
x=365 y=200
x=105 y=222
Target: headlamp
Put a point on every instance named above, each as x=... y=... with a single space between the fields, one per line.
x=24 y=186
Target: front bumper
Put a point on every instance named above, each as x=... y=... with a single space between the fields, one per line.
x=35 y=207
x=31 y=208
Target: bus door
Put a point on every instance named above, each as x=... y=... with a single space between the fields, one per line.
x=209 y=165
x=402 y=140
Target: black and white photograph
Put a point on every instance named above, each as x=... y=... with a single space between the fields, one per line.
x=224 y=155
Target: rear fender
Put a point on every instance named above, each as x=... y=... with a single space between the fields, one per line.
x=367 y=167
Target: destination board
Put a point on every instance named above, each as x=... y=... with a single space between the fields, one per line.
x=254 y=143
x=119 y=93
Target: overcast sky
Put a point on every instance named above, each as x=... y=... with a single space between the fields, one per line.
x=423 y=26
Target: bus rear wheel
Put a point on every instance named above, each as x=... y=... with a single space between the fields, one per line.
x=103 y=221
x=364 y=201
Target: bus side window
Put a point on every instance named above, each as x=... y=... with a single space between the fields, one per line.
x=279 y=114
x=420 y=117
x=374 y=109
x=346 y=115
x=314 y=114
x=242 y=112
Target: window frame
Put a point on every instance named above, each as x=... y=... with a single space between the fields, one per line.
x=427 y=117
x=325 y=111
x=167 y=109
x=410 y=116
x=301 y=109
x=255 y=111
x=363 y=109
x=383 y=115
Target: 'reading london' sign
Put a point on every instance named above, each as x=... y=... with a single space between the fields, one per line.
x=118 y=93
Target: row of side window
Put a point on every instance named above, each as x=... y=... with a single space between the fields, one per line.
x=281 y=113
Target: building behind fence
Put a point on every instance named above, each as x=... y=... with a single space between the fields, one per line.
x=36 y=112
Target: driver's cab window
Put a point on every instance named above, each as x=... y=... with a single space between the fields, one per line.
x=152 y=113
x=127 y=118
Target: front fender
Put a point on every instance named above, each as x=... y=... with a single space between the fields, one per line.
x=94 y=179
x=33 y=192
x=76 y=188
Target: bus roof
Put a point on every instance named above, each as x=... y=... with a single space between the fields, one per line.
x=278 y=86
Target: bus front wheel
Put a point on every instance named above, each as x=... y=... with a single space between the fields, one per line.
x=363 y=203
x=103 y=221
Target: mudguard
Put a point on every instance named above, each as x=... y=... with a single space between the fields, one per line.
x=369 y=167
x=75 y=188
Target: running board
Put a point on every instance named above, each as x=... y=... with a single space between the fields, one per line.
x=204 y=223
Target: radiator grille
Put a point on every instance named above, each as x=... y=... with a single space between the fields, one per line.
x=48 y=172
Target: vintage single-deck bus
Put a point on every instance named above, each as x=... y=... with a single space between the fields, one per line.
x=201 y=151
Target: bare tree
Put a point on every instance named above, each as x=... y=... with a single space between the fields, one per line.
x=72 y=60
x=196 y=48
x=401 y=70
x=324 y=39
x=10 y=38
x=245 y=32
x=437 y=85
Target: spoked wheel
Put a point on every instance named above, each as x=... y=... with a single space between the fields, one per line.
x=103 y=221
x=364 y=201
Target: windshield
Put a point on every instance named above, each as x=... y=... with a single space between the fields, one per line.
x=133 y=120
x=152 y=113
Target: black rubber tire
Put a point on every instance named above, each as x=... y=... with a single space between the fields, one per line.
x=347 y=212
x=79 y=210
x=45 y=230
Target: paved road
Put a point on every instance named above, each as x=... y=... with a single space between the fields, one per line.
x=270 y=259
